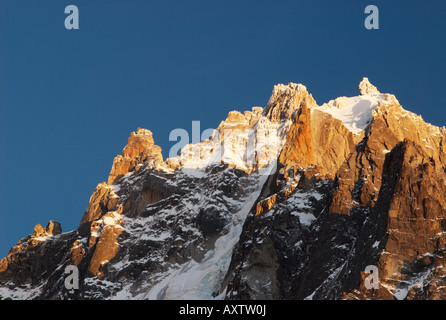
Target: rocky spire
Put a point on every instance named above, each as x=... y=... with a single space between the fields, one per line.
x=285 y=100
x=140 y=148
x=365 y=87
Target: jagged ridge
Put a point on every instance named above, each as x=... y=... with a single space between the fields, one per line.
x=290 y=201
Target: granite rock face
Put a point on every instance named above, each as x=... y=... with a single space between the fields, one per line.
x=140 y=149
x=290 y=201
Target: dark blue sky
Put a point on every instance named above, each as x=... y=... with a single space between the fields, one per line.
x=70 y=98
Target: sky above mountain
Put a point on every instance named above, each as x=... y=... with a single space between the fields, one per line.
x=69 y=99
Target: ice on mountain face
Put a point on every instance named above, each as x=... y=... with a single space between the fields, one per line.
x=201 y=280
x=170 y=237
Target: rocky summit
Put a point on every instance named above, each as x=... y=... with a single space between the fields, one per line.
x=291 y=201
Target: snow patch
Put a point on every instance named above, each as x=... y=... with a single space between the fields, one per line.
x=354 y=112
x=305 y=218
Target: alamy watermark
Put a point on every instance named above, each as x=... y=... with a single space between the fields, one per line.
x=72 y=20
x=372 y=20
x=372 y=280
x=72 y=280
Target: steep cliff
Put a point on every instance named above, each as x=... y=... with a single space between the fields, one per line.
x=290 y=201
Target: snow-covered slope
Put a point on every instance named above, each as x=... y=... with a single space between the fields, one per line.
x=238 y=142
x=356 y=112
x=202 y=279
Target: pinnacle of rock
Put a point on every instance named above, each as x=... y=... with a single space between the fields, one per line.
x=140 y=149
x=285 y=100
x=365 y=87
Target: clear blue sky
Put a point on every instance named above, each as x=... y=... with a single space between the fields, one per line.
x=70 y=98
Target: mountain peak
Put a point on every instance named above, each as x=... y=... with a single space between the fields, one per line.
x=365 y=87
x=140 y=148
x=285 y=100
x=247 y=213
x=288 y=88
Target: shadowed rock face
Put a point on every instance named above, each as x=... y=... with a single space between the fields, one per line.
x=32 y=255
x=383 y=205
x=337 y=200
